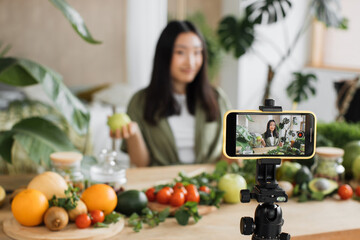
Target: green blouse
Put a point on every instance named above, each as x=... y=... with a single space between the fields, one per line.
x=160 y=141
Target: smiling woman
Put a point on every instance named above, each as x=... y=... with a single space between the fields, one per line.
x=177 y=119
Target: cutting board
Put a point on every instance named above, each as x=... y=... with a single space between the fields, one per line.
x=202 y=209
x=15 y=230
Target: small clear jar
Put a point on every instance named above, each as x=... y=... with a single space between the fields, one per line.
x=110 y=171
x=328 y=162
x=68 y=165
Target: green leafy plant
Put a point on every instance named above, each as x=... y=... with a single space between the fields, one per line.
x=338 y=134
x=113 y=217
x=300 y=89
x=40 y=136
x=183 y=214
x=237 y=34
x=69 y=202
x=149 y=217
x=75 y=20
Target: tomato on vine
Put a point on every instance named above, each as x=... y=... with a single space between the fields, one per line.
x=177 y=199
x=163 y=196
x=150 y=194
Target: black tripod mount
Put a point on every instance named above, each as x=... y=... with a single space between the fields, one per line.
x=268 y=215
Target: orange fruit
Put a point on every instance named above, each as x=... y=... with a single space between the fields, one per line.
x=100 y=197
x=29 y=207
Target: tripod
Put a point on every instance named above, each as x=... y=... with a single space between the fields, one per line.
x=268 y=215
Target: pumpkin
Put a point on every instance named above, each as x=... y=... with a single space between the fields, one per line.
x=50 y=184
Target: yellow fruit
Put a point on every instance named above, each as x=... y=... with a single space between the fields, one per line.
x=29 y=207
x=100 y=197
x=2 y=195
x=49 y=183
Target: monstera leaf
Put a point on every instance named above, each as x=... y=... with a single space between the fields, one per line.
x=299 y=89
x=267 y=11
x=328 y=12
x=236 y=35
x=22 y=72
x=75 y=20
x=38 y=137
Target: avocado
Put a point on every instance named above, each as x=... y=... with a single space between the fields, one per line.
x=323 y=185
x=131 y=201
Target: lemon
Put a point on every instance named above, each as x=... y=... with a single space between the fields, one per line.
x=2 y=195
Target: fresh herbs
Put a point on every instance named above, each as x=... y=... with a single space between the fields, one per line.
x=149 y=217
x=186 y=211
x=305 y=194
x=69 y=202
x=113 y=217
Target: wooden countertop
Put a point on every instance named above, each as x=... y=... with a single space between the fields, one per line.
x=330 y=219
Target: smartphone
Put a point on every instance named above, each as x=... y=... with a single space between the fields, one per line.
x=258 y=134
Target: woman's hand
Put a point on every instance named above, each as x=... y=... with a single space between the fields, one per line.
x=126 y=131
x=280 y=144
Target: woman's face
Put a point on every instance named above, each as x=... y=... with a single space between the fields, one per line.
x=272 y=126
x=187 y=58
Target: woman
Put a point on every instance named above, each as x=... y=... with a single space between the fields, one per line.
x=270 y=138
x=177 y=119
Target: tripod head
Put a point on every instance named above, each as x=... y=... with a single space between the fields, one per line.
x=268 y=215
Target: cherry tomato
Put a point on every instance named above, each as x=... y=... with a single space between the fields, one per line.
x=97 y=216
x=191 y=187
x=177 y=185
x=169 y=189
x=150 y=194
x=345 y=192
x=205 y=189
x=181 y=189
x=83 y=221
x=357 y=190
x=177 y=199
x=193 y=196
x=163 y=196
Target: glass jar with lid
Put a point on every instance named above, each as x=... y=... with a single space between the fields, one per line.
x=110 y=170
x=328 y=162
x=68 y=165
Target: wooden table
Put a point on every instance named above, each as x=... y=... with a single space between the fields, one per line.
x=330 y=219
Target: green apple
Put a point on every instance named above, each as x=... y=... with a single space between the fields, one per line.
x=356 y=168
x=118 y=120
x=231 y=184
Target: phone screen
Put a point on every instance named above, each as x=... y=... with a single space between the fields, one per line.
x=261 y=134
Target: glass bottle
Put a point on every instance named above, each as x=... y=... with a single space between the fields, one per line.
x=68 y=165
x=328 y=163
x=110 y=170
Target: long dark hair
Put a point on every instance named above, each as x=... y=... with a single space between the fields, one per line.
x=160 y=101
x=268 y=132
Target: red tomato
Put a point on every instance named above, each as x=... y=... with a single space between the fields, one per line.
x=193 y=196
x=345 y=192
x=177 y=185
x=150 y=194
x=181 y=189
x=169 y=189
x=191 y=187
x=83 y=221
x=205 y=189
x=97 y=216
x=177 y=199
x=163 y=196
x=357 y=190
